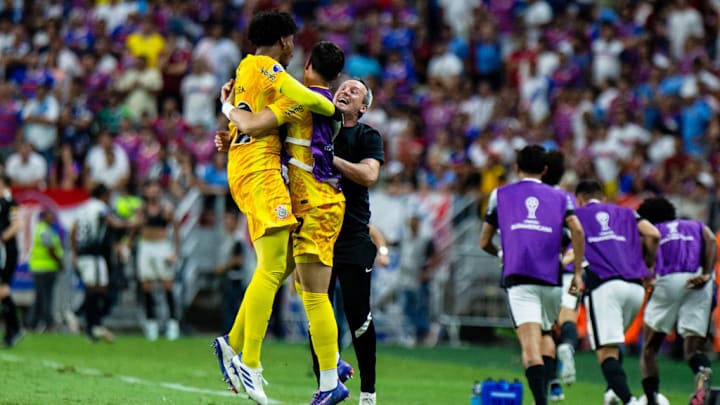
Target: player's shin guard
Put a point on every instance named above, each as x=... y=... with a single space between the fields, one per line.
x=271 y=252
x=568 y=334
x=616 y=379
x=536 y=382
x=651 y=386
x=324 y=335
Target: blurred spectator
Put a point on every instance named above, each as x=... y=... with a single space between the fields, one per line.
x=199 y=90
x=445 y=67
x=26 y=168
x=79 y=36
x=106 y=163
x=487 y=62
x=65 y=171
x=185 y=177
x=112 y=114
x=417 y=252
x=31 y=75
x=606 y=54
x=40 y=119
x=10 y=120
x=174 y=64
x=214 y=177
x=683 y=22
x=140 y=84
x=146 y=43
x=230 y=269
x=76 y=120
x=221 y=53
x=170 y=126
x=361 y=64
x=45 y=261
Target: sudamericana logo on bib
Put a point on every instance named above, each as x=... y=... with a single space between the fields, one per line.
x=531 y=223
x=606 y=233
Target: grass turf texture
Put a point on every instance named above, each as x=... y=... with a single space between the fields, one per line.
x=57 y=369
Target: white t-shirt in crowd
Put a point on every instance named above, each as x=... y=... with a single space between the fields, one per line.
x=26 y=173
x=102 y=172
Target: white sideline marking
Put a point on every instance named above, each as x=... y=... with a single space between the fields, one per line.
x=130 y=379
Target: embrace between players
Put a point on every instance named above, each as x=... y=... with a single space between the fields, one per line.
x=295 y=227
x=621 y=252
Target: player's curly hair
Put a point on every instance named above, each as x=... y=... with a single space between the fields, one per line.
x=531 y=159
x=327 y=59
x=267 y=27
x=657 y=209
x=555 y=162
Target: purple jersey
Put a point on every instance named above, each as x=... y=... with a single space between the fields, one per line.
x=612 y=241
x=530 y=217
x=681 y=246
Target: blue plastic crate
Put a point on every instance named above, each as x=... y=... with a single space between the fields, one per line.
x=500 y=393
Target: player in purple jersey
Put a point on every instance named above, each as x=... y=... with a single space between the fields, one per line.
x=620 y=247
x=530 y=216
x=682 y=294
x=567 y=319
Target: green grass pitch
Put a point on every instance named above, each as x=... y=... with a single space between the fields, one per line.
x=59 y=369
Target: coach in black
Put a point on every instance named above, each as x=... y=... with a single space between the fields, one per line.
x=358 y=156
x=9 y=227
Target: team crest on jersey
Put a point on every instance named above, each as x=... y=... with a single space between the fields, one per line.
x=281 y=211
x=277 y=68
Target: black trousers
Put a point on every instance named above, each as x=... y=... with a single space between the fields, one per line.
x=355 y=289
x=42 y=311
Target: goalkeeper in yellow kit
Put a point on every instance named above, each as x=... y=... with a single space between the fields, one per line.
x=257 y=186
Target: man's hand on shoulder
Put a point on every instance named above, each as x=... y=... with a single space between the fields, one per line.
x=227 y=92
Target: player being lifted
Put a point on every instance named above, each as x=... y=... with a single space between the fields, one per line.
x=682 y=294
x=317 y=202
x=257 y=186
x=530 y=216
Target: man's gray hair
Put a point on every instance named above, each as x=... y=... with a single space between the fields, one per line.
x=368 y=99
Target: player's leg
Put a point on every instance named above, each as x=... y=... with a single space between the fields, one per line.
x=550 y=301
x=567 y=320
x=147 y=273
x=611 y=307
x=355 y=284
x=271 y=250
x=525 y=306
x=652 y=340
x=315 y=279
x=659 y=319
x=13 y=332
x=693 y=323
x=167 y=278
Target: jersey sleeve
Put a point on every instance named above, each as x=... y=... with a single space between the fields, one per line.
x=372 y=145
x=569 y=206
x=491 y=216
x=287 y=110
x=276 y=77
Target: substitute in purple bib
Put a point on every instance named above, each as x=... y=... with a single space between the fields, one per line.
x=530 y=217
x=682 y=295
x=620 y=246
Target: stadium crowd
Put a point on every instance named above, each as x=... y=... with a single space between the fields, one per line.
x=115 y=92
x=120 y=92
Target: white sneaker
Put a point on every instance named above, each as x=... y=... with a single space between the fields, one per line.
x=367 y=398
x=225 y=353
x=172 y=330
x=611 y=398
x=252 y=380
x=566 y=358
x=151 y=330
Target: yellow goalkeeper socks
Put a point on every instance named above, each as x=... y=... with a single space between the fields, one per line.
x=236 y=336
x=324 y=335
x=271 y=252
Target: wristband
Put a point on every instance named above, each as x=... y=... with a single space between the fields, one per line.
x=383 y=251
x=226 y=108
